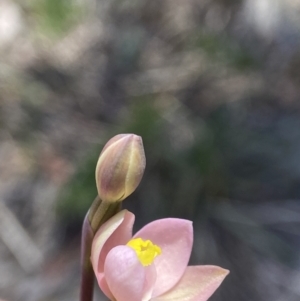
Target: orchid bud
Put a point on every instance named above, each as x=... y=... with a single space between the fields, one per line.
x=120 y=167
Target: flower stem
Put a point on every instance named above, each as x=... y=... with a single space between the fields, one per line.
x=103 y=213
x=87 y=274
x=98 y=214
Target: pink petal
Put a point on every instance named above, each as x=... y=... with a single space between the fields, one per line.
x=104 y=286
x=197 y=284
x=149 y=282
x=116 y=231
x=126 y=277
x=175 y=238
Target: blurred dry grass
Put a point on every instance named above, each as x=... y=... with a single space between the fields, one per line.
x=212 y=87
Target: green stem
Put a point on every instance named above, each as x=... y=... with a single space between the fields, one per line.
x=87 y=274
x=103 y=213
x=98 y=214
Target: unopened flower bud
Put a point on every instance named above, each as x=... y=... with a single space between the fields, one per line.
x=120 y=167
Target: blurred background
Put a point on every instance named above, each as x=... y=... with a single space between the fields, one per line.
x=212 y=86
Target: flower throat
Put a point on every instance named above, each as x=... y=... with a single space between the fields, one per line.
x=145 y=250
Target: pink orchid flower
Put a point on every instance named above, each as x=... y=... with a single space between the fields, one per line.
x=151 y=265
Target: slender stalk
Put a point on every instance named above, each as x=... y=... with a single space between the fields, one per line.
x=87 y=275
x=99 y=213
x=94 y=207
x=103 y=213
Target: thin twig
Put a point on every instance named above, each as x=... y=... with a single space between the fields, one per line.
x=18 y=241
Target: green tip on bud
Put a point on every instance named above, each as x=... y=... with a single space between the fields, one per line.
x=120 y=167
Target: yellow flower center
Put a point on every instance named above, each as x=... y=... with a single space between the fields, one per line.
x=145 y=250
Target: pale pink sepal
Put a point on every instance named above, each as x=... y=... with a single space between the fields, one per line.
x=127 y=279
x=197 y=284
x=175 y=238
x=116 y=231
